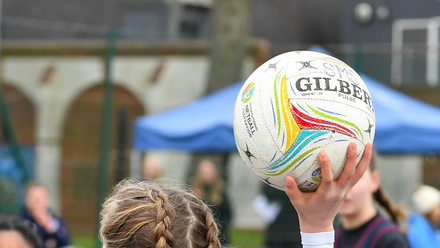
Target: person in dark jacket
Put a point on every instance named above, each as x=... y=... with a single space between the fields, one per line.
x=52 y=228
x=212 y=189
x=284 y=231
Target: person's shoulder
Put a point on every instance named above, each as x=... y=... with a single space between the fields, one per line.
x=25 y=215
x=58 y=217
x=417 y=223
x=417 y=218
x=393 y=238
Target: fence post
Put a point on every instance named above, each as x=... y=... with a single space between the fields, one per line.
x=105 y=140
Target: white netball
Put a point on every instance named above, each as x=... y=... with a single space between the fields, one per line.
x=295 y=105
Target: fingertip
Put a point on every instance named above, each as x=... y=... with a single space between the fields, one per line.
x=291 y=186
x=292 y=191
x=370 y=148
x=368 y=151
x=290 y=182
x=326 y=168
x=323 y=155
x=353 y=146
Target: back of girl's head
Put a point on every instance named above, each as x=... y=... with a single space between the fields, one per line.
x=150 y=214
x=396 y=213
x=23 y=227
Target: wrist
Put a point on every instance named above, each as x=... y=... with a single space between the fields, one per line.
x=315 y=227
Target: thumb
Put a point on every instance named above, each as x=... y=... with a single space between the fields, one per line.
x=292 y=189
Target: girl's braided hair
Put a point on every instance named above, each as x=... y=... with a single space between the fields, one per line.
x=396 y=212
x=150 y=214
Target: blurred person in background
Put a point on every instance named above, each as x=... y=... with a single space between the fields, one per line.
x=17 y=233
x=151 y=168
x=283 y=231
x=361 y=224
x=52 y=228
x=212 y=189
x=422 y=232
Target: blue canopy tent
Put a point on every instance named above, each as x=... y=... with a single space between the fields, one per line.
x=403 y=124
x=202 y=126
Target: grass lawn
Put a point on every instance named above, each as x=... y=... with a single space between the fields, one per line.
x=239 y=238
x=247 y=238
x=83 y=241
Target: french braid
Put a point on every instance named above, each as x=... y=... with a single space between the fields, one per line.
x=149 y=214
x=212 y=234
x=201 y=229
x=162 y=235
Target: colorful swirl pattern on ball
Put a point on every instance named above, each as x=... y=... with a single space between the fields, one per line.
x=306 y=121
x=282 y=105
x=301 y=129
x=285 y=162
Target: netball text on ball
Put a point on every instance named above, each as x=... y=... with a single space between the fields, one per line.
x=249 y=120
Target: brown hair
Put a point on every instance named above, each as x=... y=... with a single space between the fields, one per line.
x=214 y=194
x=34 y=184
x=396 y=213
x=23 y=227
x=149 y=214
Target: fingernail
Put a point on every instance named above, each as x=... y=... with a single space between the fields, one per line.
x=370 y=149
x=288 y=182
x=354 y=147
